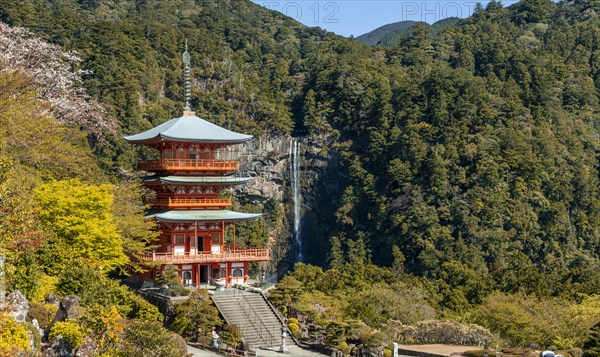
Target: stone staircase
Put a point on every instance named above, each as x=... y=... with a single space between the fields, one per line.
x=253 y=315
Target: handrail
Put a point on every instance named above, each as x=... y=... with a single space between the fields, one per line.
x=283 y=322
x=185 y=202
x=248 y=254
x=262 y=324
x=187 y=164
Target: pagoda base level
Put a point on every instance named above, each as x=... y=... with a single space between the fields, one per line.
x=196 y=275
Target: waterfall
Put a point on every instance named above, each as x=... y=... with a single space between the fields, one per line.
x=295 y=178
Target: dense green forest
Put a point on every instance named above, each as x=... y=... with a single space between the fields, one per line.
x=468 y=158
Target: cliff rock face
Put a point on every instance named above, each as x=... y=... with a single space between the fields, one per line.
x=266 y=160
x=269 y=162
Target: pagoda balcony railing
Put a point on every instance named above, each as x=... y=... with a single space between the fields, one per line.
x=238 y=255
x=189 y=165
x=189 y=202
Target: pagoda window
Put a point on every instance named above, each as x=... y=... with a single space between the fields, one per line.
x=215 y=239
x=179 y=239
x=237 y=273
x=168 y=154
x=181 y=153
x=194 y=152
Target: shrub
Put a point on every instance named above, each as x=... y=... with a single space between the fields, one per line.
x=380 y=303
x=294 y=327
x=104 y=325
x=344 y=348
x=150 y=339
x=449 y=332
x=335 y=332
x=374 y=340
x=178 y=290
x=96 y=289
x=39 y=312
x=169 y=276
x=525 y=319
x=231 y=335
x=70 y=331
x=142 y=309
x=13 y=336
x=195 y=317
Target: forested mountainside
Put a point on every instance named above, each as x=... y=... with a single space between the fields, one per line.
x=390 y=35
x=373 y=37
x=394 y=38
x=468 y=160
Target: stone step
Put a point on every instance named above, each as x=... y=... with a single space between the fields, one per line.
x=257 y=336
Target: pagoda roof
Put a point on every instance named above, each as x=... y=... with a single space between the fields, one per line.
x=202 y=216
x=188 y=128
x=192 y=180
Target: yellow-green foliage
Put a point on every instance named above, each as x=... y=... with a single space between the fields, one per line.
x=104 y=325
x=344 y=348
x=522 y=320
x=294 y=327
x=150 y=338
x=46 y=285
x=96 y=289
x=80 y=215
x=13 y=336
x=136 y=232
x=382 y=302
x=70 y=331
x=320 y=306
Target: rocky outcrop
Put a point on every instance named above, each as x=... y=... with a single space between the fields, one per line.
x=52 y=299
x=87 y=348
x=58 y=348
x=17 y=305
x=266 y=161
x=67 y=309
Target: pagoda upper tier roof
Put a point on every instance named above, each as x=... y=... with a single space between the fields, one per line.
x=188 y=128
x=202 y=216
x=196 y=180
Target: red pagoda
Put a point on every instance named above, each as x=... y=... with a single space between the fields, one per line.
x=197 y=161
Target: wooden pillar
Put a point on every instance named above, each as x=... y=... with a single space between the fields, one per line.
x=196 y=235
x=222 y=235
x=245 y=272
x=227 y=274
x=198 y=270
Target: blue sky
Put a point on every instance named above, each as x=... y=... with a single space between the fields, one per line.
x=356 y=17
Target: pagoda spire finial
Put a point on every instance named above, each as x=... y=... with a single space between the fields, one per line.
x=187 y=83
